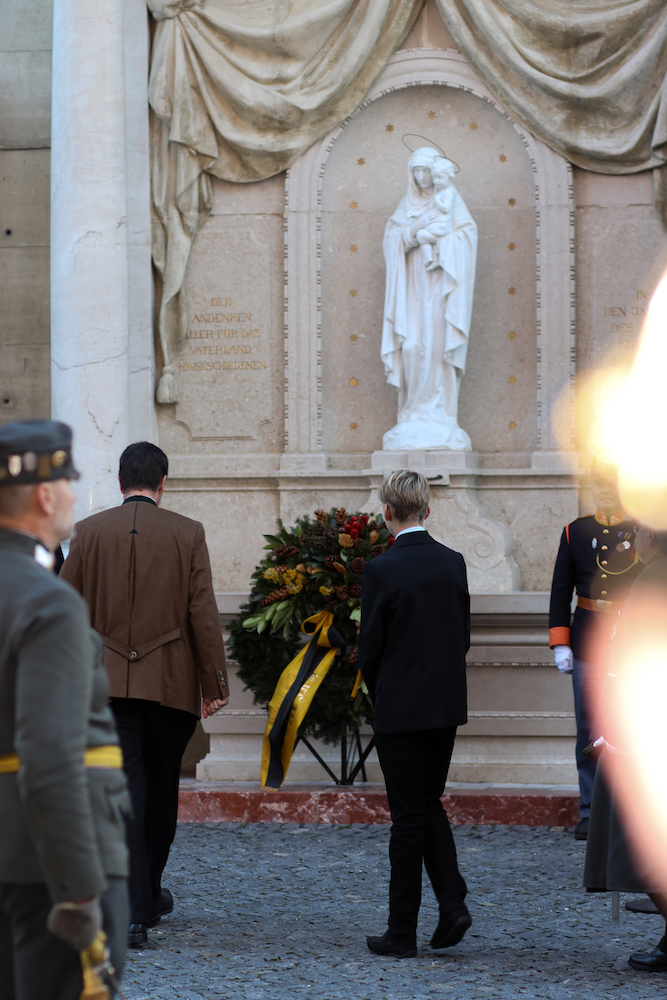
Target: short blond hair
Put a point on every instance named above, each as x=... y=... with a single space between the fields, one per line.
x=408 y=495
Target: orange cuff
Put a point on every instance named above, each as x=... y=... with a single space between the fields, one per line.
x=559 y=636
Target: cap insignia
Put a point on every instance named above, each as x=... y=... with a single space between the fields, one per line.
x=58 y=458
x=30 y=461
x=14 y=465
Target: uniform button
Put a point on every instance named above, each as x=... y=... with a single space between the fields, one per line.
x=133 y=654
x=605 y=547
x=604 y=562
x=605 y=531
x=603 y=592
x=604 y=576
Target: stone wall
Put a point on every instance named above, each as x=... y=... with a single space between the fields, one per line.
x=25 y=124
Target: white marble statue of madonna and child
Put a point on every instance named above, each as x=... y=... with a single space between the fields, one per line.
x=430 y=250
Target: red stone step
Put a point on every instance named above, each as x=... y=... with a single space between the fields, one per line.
x=477 y=805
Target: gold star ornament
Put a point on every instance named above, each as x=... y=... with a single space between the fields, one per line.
x=512 y=335
x=353 y=204
x=511 y=202
x=473 y=126
x=353 y=248
x=431 y=114
x=354 y=338
x=512 y=425
x=511 y=291
x=354 y=381
x=512 y=380
x=511 y=246
x=389 y=128
x=353 y=293
x=361 y=161
x=502 y=158
x=353 y=426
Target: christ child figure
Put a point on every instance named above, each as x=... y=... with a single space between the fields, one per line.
x=442 y=172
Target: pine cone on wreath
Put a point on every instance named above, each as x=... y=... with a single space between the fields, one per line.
x=342 y=593
x=354 y=655
x=276 y=595
x=358 y=542
x=322 y=516
x=341 y=515
x=287 y=551
x=355 y=590
x=357 y=564
x=377 y=550
x=329 y=561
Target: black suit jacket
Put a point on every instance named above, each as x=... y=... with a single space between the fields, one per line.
x=415 y=633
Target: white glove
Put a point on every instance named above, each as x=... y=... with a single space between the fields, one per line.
x=76 y=923
x=563 y=658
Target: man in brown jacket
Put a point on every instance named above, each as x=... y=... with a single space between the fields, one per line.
x=146 y=577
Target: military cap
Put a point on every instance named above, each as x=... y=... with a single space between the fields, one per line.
x=35 y=451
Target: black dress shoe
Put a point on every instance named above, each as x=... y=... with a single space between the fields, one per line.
x=137 y=936
x=165 y=905
x=655 y=961
x=451 y=928
x=385 y=946
x=581 y=830
x=641 y=905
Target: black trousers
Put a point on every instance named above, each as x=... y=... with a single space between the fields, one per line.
x=36 y=965
x=153 y=739
x=415 y=767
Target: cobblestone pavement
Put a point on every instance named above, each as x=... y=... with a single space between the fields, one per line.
x=273 y=911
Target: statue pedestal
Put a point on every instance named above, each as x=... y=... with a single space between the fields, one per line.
x=427 y=461
x=458 y=518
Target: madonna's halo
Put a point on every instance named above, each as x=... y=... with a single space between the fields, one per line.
x=433 y=145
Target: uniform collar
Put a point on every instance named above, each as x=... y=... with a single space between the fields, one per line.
x=28 y=543
x=609 y=520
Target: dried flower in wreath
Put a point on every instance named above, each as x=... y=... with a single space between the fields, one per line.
x=287 y=551
x=276 y=595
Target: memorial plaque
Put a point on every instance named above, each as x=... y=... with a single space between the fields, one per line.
x=622 y=253
x=227 y=364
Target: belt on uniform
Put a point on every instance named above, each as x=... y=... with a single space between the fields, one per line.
x=136 y=652
x=109 y=755
x=606 y=607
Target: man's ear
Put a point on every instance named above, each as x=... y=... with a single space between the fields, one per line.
x=428 y=511
x=121 y=487
x=387 y=513
x=43 y=498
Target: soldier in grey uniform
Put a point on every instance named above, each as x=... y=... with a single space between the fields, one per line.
x=63 y=795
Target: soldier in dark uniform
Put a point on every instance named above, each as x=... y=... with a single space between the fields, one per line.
x=597 y=558
x=63 y=794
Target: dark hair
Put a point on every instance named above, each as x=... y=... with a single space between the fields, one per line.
x=142 y=466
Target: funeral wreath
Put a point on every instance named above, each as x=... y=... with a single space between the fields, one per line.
x=313 y=567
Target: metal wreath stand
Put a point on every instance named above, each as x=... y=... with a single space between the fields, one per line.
x=350 y=748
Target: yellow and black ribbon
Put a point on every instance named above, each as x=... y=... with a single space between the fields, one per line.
x=294 y=693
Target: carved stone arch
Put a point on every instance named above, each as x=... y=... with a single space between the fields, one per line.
x=554 y=247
